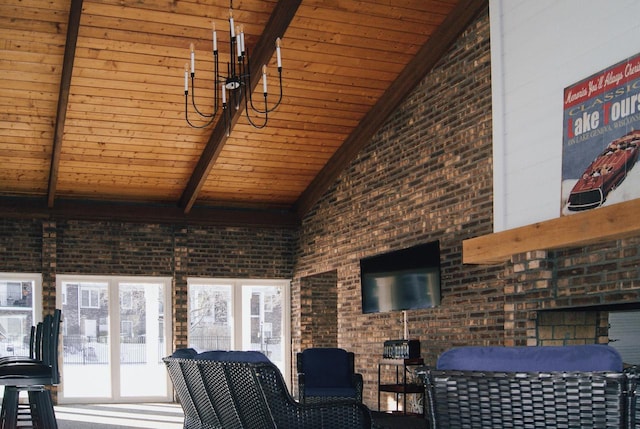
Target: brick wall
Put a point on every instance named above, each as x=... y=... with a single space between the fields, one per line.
x=20 y=246
x=319 y=302
x=590 y=279
x=571 y=327
x=130 y=249
x=426 y=175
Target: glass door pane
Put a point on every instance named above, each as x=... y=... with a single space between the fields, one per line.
x=142 y=340
x=210 y=316
x=20 y=306
x=114 y=339
x=263 y=322
x=86 y=340
x=16 y=316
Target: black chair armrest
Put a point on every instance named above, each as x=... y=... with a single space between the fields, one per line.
x=358 y=383
x=301 y=395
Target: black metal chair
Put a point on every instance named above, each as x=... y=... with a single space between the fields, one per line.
x=328 y=375
x=33 y=375
x=243 y=390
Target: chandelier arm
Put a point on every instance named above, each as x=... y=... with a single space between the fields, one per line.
x=275 y=106
x=215 y=81
x=247 y=82
x=246 y=93
x=186 y=114
x=215 y=90
x=251 y=122
x=193 y=99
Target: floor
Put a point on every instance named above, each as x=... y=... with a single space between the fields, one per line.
x=169 y=416
x=398 y=421
x=119 y=416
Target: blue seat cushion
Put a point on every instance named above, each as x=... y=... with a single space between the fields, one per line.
x=333 y=392
x=186 y=353
x=326 y=367
x=232 y=356
x=590 y=357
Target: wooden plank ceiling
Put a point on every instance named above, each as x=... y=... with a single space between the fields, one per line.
x=92 y=102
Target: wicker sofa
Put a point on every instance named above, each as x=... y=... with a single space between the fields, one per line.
x=577 y=387
x=244 y=390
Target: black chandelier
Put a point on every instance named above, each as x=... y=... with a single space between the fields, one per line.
x=234 y=87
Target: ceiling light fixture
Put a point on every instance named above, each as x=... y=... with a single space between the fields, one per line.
x=235 y=85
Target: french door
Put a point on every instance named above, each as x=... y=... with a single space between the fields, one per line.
x=115 y=333
x=235 y=314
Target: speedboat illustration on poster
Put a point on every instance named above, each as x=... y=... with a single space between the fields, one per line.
x=605 y=173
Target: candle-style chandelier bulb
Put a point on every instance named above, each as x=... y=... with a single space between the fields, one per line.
x=234 y=88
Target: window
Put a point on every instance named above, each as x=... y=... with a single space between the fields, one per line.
x=20 y=308
x=89 y=297
x=126 y=300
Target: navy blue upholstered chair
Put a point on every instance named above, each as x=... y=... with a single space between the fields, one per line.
x=328 y=375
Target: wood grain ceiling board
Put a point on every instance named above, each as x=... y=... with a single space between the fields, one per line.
x=125 y=136
x=92 y=99
x=32 y=41
x=338 y=58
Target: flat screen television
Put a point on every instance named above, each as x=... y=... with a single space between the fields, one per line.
x=404 y=279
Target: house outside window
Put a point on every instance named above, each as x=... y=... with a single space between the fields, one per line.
x=20 y=308
x=89 y=297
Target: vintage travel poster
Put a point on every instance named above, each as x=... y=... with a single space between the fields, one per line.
x=601 y=135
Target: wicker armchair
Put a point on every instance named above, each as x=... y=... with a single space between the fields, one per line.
x=543 y=387
x=244 y=390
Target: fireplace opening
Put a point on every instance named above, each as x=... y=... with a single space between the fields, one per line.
x=616 y=325
x=624 y=334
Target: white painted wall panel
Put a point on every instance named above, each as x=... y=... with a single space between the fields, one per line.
x=539 y=47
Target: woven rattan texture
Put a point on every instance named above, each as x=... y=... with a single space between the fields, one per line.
x=477 y=400
x=241 y=395
x=358 y=382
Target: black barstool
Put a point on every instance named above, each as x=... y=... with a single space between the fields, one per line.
x=33 y=375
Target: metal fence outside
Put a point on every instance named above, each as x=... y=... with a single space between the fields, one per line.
x=205 y=342
x=82 y=350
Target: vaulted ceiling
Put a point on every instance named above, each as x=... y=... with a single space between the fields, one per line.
x=92 y=117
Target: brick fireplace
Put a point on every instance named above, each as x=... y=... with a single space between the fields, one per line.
x=570 y=327
x=562 y=297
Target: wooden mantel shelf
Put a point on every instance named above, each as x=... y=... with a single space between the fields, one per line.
x=589 y=227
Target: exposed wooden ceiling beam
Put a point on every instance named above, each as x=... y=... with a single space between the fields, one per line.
x=22 y=208
x=426 y=58
x=279 y=20
x=63 y=99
